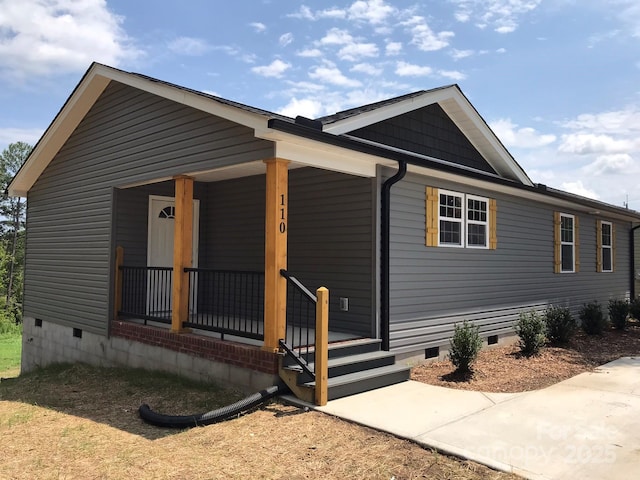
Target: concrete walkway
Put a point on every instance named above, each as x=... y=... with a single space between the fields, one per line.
x=587 y=427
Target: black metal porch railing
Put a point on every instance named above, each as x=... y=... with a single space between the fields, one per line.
x=226 y=302
x=146 y=293
x=299 y=341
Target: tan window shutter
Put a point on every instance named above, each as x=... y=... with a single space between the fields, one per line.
x=432 y=217
x=576 y=242
x=557 y=265
x=493 y=220
x=613 y=246
x=598 y=246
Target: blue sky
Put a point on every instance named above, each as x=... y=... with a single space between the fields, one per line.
x=558 y=81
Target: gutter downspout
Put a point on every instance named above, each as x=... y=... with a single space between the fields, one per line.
x=633 y=261
x=384 y=250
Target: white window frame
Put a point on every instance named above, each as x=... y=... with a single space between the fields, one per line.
x=477 y=222
x=572 y=243
x=463 y=221
x=604 y=247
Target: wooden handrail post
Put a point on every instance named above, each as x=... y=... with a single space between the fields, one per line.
x=322 y=346
x=117 y=294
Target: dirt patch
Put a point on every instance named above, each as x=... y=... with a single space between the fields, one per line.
x=503 y=369
x=82 y=423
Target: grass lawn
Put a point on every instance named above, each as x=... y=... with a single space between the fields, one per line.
x=10 y=349
x=80 y=422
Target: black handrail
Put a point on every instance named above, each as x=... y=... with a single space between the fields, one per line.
x=146 y=293
x=227 y=302
x=299 y=341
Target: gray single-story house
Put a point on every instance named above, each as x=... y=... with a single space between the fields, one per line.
x=172 y=229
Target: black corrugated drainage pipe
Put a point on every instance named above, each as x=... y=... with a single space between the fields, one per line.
x=384 y=250
x=633 y=262
x=214 y=416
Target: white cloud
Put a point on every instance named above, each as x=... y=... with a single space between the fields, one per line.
x=578 y=188
x=372 y=11
x=285 y=39
x=332 y=13
x=329 y=73
x=356 y=51
x=452 y=74
x=589 y=143
x=310 y=53
x=45 y=37
x=504 y=16
x=274 y=69
x=460 y=54
x=336 y=36
x=393 y=48
x=625 y=121
x=366 y=68
x=424 y=38
x=13 y=135
x=405 y=69
x=304 y=13
x=614 y=164
x=259 y=27
x=526 y=137
x=305 y=107
x=189 y=46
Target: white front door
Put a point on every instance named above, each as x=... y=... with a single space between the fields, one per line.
x=160 y=250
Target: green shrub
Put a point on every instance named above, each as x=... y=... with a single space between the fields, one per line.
x=618 y=311
x=634 y=308
x=465 y=346
x=560 y=324
x=8 y=326
x=530 y=328
x=592 y=319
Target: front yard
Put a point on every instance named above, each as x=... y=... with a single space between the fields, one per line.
x=79 y=422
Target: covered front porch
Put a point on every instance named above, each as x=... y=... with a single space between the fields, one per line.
x=237 y=255
x=235 y=235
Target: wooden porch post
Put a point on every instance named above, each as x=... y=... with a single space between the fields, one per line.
x=182 y=251
x=322 y=346
x=275 y=252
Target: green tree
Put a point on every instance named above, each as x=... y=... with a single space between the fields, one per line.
x=12 y=227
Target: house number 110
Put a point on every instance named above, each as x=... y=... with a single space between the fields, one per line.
x=283 y=225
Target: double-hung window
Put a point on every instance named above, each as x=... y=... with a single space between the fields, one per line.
x=457 y=219
x=567 y=242
x=477 y=222
x=605 y=245
x=566 y=245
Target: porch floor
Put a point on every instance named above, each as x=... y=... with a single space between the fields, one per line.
x=298 y=333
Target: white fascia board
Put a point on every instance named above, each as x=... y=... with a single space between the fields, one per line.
x=517 y=192
x=322 y=155
x=393 y=110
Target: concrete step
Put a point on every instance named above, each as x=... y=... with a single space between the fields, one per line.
x=363 y=381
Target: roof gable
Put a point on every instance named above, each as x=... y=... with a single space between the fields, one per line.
x=92 y=85
x=458 y=109
x=426 y=131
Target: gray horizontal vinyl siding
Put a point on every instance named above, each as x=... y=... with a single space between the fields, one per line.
x=127 y=137
x=331 y=235
x=434 y=287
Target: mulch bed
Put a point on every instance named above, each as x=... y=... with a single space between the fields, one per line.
x=504 y=369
